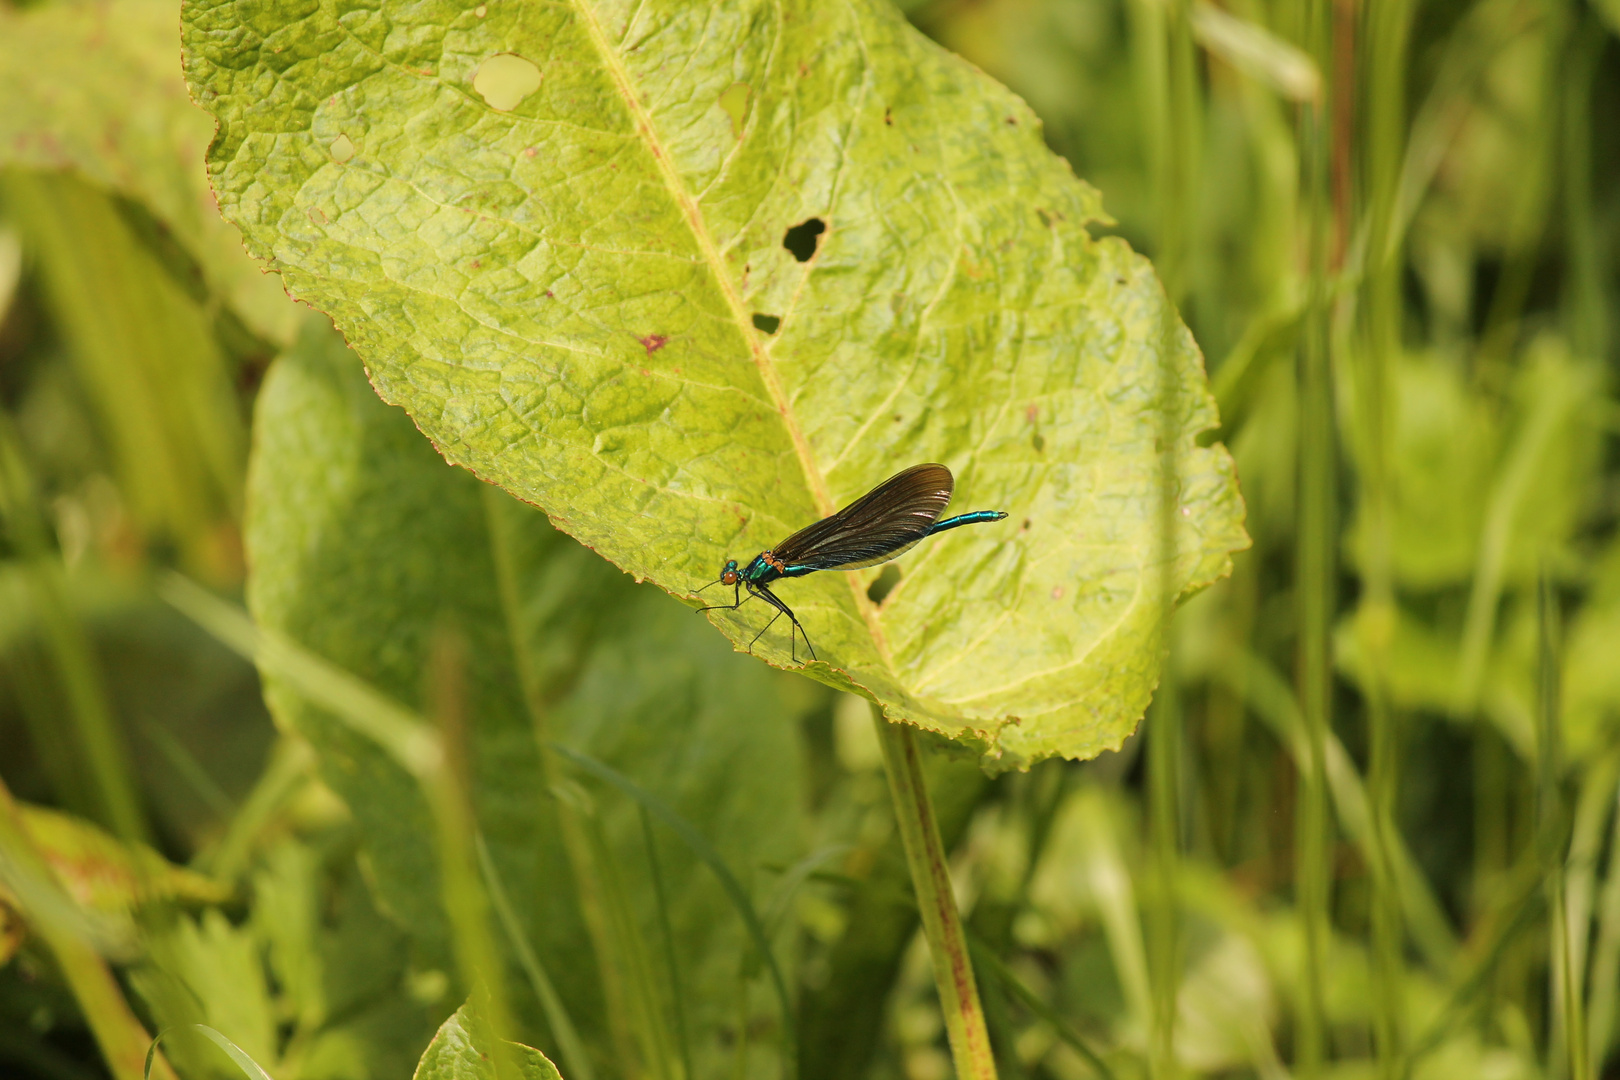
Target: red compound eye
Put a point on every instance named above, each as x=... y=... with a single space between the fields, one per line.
x=729 y=577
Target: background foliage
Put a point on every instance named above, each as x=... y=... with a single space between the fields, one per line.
x=1408 y=868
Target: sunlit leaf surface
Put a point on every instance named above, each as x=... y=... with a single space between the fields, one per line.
x=610 y=297
x=463 y=1049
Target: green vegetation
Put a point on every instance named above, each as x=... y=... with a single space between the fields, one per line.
x=327 y=761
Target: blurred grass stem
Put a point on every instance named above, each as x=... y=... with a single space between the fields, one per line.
x=576 y=1063
x=1167 y=81
x=100 y=743
x=1387 y=32
x=1566 y=1042
x=1317 y=537
x=672 y=965
x=562 y=795
x=434 y=758
x=449 y=792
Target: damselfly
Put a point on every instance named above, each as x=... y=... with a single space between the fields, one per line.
x=887 y=521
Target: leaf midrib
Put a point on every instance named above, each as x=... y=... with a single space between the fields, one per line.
x=693 y=214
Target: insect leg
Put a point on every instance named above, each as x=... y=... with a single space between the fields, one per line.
x=771 y=598
x=737 y=601
x=761 y=633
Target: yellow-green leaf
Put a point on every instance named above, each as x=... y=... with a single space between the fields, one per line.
x=465 y=1049
x=610 y=297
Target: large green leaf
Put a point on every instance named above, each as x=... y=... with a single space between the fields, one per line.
x=94 y=87
x=364 y=546
x=559 y=237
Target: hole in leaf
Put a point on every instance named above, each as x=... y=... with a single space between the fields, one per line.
x=506 y=79
x=341 y=149
x=767 y=323
x=883 y=584
x=802 y=238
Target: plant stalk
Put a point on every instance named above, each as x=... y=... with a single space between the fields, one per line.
x=97 y=737
x=1388 y=31
x=1317 y=538
x=936 y=902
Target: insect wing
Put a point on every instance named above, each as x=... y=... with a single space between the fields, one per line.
x=874 y=528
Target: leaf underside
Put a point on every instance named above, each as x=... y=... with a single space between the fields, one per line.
x=563 y=293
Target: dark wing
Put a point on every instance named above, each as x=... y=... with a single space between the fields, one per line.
x=875 y=527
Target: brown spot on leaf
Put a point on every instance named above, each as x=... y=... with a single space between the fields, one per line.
x=653 y=342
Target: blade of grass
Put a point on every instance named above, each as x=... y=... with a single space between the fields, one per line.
x=188 y=769
x=1495 y=932
x=1030 y=1000
x=1256 y=51
x=1520 y=471
x=432 y=758
x=239 y=1057
x=1605 y=982
x=1167 y=75
x=728 y=882
x=1316 y=571
x=1591 y=818
x=407 y=738
x=1527 y=218
x=145 y=356
x=624 y=948
x=611 y=954
x=291 y=760
x=1387 y=36
x=936 y=901
x=1568 y=1028
x=673 y=967
x=795 y=876
x=1589 y=318
x=576 y=1061
x=99 y=739
x=1269 y=695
